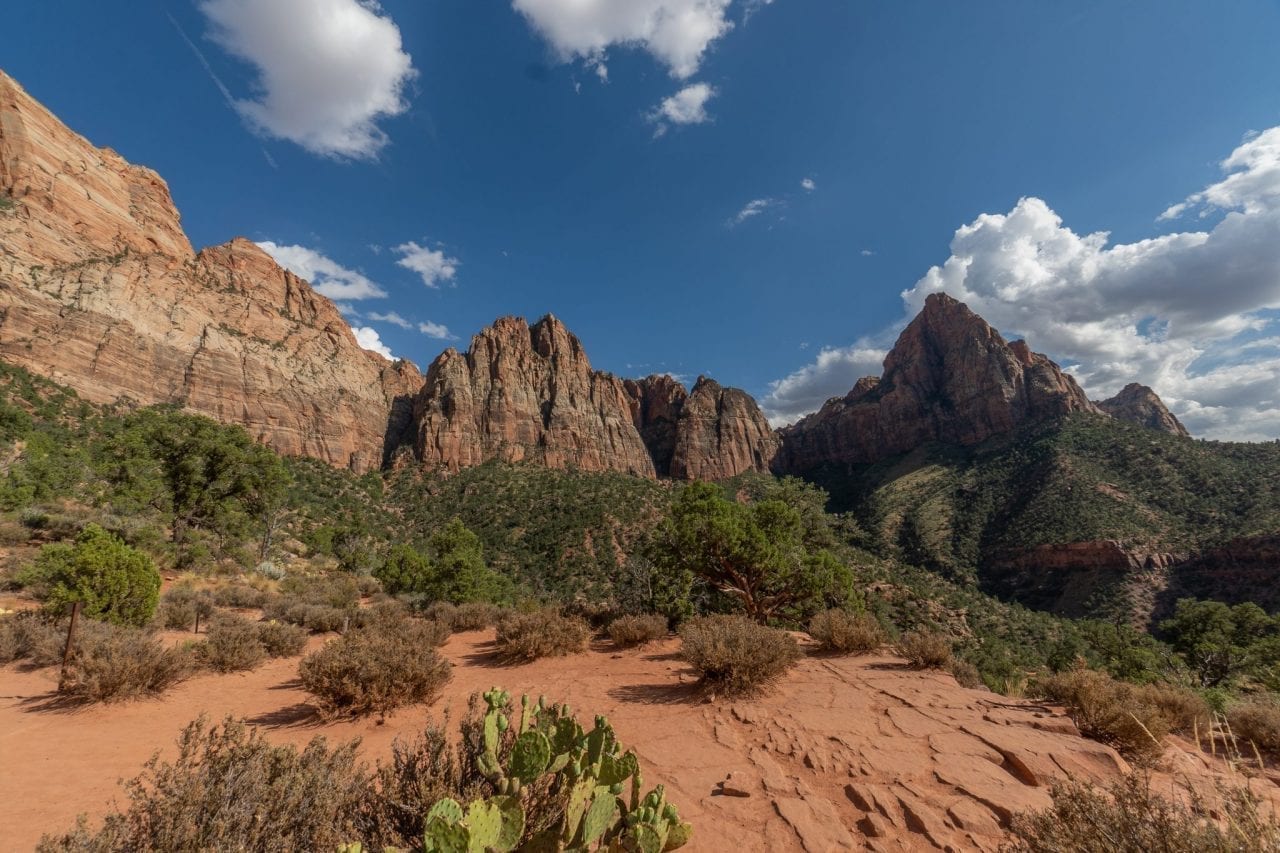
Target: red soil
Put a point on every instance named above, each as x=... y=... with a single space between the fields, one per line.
x=845 y=753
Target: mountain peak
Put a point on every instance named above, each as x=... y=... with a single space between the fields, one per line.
x=1141 y=405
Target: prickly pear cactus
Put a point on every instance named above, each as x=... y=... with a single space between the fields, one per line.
x=547 y=758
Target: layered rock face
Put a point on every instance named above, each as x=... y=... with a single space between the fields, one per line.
x=100 y=290
x=526 y=393
x=1140 y=405
x=949 y=378
x=656 y=403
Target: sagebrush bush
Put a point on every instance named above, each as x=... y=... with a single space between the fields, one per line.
x=181 y=605
x=1128 y=817
x=376 y=669
x=965 y=673
x=1256 y=721
x=925 y=649
x=842 y=632
x=546 y=633
x=111 y=663
x=634 y=630
x=281 y=640
x=317 y=618
x=441 y=611
x=240 y=596
x=229 y=789
x=112 y=581
x=20 y=634
x=736 y=655
x=341 y=591
x=475 y=616
x=232 y=644
x=1133 y=718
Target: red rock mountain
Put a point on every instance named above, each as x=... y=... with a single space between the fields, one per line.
x=529 y=393
x=949 y=378
x=101 y=290
x=1139 y=404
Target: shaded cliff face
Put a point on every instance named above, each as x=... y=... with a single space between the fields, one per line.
x=721 y=433
x=949 y=378
x=656 y=403
x=1140 y=405
x=100 y=290
x=526 y=393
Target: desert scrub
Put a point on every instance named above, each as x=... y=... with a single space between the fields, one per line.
x=475 y=616
x=317 y=618
x=232 y=645
x=229 y=789
x=736 y=655
x=111 y=663
x=240 y=596
x=925 y=649
x=281 y=640
x=1128 y=817
x=1133 y=718
x=376 y=669
x=544 y=634
x=1256 y=721
x=181 y=606
x=634 y=630
x=841 y=632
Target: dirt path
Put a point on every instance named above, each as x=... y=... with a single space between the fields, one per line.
x=846 y=753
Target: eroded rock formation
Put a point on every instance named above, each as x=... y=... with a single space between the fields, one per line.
x=949 y=378
x=100 y=290
x=1140 y=405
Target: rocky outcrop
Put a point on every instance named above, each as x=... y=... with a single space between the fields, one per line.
x=721 y=433
x=656 y=402
x=949 y=378
x=526 y=393
x=100 y=290
x=1140 y=405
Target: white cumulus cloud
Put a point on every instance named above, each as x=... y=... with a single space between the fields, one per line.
x=328 y=70
x=439 y=331
x=828 y=376
x=328 y=277
x=1189 y=313
x=688 y=106
x=432 y=265
x=675 y=32
x=368 y=339
x=808 y=185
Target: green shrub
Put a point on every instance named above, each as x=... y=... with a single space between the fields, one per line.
x=925 y=649
x=375 y=670
x=112 y=581
x=1256 y=722
x=281 y=640
x=634 y=630
x=232 y=645
x=111 y=663
x=546 y=633
x=841 y=632
x=736 y=655
x=1128 y=817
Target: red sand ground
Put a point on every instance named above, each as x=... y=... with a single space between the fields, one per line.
x=846 y=753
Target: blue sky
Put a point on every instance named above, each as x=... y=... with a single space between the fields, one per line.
x=759 y=191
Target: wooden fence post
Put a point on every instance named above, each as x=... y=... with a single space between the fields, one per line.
x=71 y=635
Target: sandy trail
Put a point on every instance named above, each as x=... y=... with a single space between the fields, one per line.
x=846 y=753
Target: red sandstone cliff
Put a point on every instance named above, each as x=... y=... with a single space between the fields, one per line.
x=1140 y=405
x=100 y=290
x=949 y=378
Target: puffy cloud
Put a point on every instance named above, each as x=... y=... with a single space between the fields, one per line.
x=1186 y=313
x=828 y=376
x=328 y=70
x=808 y=185
x=676 y=32
x=368 y=339
x=439 y=331
x=688 y=106
x=328 y=277
x=751 y=209
x=431 y=264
